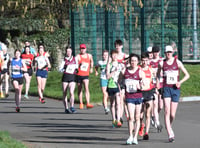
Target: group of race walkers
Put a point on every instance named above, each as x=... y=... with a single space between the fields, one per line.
x=20 y=68
x=138 y=86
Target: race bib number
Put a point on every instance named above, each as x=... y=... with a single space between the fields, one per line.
x=41 y=63
x=172 y=78
x=84 y=66
x=15 y=70
x=131 y=85
x=70 y=69
x=27 y=62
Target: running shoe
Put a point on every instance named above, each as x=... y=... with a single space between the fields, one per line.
x=1 y=95
x=119 y=124
x=26 y=96
x=159 y=128
x=107 y=110
x=17 y=109
x=114 y=124
x=141 y=131
x=146 y=136
x=171 y=139
x=6 y=95
x=73 y=110
x=42 y=100
x=89 y=106
x=67 y=111
x=135 y=141
x=81 y=106
x=129 y=140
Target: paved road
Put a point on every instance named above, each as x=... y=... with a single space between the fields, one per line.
x=46 y=126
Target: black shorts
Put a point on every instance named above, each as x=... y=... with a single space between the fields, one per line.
x=161 y=91
x=79 y=79
x=4 y=71
x=148 y=95
x=29 y=71
x=112 y=91
x=68 y=78
x=19 y=80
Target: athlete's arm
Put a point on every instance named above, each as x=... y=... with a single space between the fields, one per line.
x=91 y=63
x=24 y=68
x=96 y=69
x=61 y=67
x=160 y=65
x=186 y=74
x=108 y=74
x=2 y=62
x=142 y=77
x=48 y=63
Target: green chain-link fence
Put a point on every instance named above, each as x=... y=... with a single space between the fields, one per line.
x=158 y=22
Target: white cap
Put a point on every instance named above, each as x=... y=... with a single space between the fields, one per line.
x=168 y=48
x=149 y=49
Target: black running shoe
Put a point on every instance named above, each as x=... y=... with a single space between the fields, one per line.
x=171 y=139
x=146 y=137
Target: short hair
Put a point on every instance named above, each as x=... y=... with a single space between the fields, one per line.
x=41 y=45
x=144 y=55
x=25 y=49
x=17 y=50
x=155 y=49
x=105 y=51
x=68 y=47
x=113 y=52
x=133 y=55
x=118 y=42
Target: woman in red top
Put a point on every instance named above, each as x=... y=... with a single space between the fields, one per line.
x=85 y=66
x=28 y=59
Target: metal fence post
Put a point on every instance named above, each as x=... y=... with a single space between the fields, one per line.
x=94 y=34
x=72 y=35
x=195 y=48
x=143 y=27
x=130 y=26
x=106 y=30
x=180 y=30
x=162 y=29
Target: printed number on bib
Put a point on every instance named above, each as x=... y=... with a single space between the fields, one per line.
x=84 y=66
x=70 y=69
x=172 y=78
x=41 y=63
x=15 y=70
x=131 y=85
x=27 y=62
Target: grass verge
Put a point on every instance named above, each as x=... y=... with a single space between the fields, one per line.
x=7 y=142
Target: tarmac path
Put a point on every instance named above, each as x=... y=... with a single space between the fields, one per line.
x=47 y=126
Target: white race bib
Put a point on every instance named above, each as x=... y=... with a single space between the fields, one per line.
x=41 y=62
x=15 y=70
x=84 y=66
x=70 y=69
x=172 y=78
x=131 y=85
